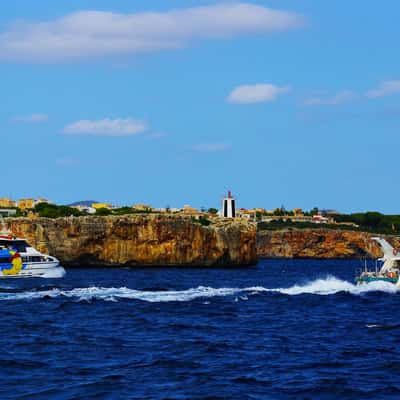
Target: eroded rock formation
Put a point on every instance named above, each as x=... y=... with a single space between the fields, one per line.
x=146 y=240
x=319 y=243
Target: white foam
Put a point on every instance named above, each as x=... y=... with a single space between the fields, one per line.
x=54 y=273
x=332 y=285
x=328 y=286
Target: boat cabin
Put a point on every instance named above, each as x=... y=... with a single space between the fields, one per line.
x=19 y=245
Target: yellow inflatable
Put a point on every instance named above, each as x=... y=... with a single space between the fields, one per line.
x=16 y=262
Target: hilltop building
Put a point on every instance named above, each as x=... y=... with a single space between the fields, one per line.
x=28 y=204
x=85 y=209
x=298 y=212
x=97 y=206
x=7 y=203
x=142 y=207
x=7 y=212
x=228 y=207
x=172 y=210
x=320 y=219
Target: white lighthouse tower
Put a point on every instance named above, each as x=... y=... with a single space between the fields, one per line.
x=228 y=206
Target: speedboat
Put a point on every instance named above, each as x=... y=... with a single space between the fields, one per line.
x=390 y=266
x=18 y=259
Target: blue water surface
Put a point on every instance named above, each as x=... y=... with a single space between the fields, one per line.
x=281 y=330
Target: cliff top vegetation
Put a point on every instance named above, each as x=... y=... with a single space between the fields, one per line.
x=373 y=222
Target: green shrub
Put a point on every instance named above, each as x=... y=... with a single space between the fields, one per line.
x=54 y=211
x=201 y=220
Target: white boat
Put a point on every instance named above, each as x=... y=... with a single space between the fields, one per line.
x=390 y=266
x=18 y=259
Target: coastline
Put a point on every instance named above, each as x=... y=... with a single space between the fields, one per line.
x=156 y=240
x=152 y=240
x=320 y=244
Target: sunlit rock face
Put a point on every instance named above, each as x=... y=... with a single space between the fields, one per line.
x=140 y=240
x=319 y=243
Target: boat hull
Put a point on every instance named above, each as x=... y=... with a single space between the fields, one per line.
x=38 y=270
x=370 y=279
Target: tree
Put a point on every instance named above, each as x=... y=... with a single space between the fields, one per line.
x=102 y=212
x=314 y=211
x=53 y=211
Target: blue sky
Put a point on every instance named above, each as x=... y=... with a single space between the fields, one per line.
x=292 y=102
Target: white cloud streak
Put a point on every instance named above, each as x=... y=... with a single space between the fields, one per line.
x=258 y=93
x=386 y=88
x=342 y=97
x=92 y=34
x=106 y=127
x=32 y=119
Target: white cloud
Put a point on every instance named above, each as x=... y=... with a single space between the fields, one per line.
x=106 y=127
x=344 y=96
x=210 y=147
x=385 y=89
x=258 y=93
x=32 y=119
x=87 y=34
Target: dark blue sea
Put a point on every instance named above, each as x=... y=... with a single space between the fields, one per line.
x=281 y=330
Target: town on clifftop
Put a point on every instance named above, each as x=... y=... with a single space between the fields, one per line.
x=266 y=219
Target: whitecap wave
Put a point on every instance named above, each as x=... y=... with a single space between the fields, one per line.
x=332 y=285
x=324 y=287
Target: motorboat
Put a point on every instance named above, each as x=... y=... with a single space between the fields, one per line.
x=387 y=268
x=18 y=259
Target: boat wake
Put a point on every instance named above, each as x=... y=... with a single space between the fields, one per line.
x=54 y=273
x=322 y=287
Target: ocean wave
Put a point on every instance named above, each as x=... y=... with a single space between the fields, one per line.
x=322 y=287
x=332 y=285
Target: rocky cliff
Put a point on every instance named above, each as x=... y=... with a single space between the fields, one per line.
x=319 y=243
x=146 y=240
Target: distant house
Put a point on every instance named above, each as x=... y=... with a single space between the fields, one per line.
x=85 y=209
x=167 y=210
x=42 y=200
x=298 y=212
x=192 y=212
x=188 y=210
x=7 y=203
x=28 y=204
x=320 y=219
x=142 y=207
x=97 y=206
x=4 y=212
x=243 y=213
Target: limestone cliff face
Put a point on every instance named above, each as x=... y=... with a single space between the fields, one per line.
x=153 y=240
x=319 y=243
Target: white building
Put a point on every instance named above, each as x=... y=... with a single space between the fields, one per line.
x=228 y=209
x=5 y=212
x=85 y=209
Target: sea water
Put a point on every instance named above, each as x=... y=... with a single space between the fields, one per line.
x=281 y=330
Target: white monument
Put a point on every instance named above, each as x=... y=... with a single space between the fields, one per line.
x=228 y=207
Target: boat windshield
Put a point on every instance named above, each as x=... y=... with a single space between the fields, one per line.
x=18 y=245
